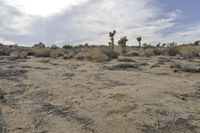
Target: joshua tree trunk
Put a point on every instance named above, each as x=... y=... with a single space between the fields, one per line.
x=139 y=44
x=139 y=39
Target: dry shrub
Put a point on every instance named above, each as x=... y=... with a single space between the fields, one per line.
x=190 y=51
x=172 y=50
x=20 y=54
x=159 y=51
x=191 y=68
x=124 y=66
x=133 y=54
x=149 y=52
x=41 y=52
x=126 y=60
x=5 y=51
x=55 y=53
x=96 y=55
x=111 y=54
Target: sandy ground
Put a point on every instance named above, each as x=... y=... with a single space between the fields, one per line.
x=41 y=95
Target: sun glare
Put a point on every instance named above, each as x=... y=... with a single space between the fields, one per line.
x=43 y=7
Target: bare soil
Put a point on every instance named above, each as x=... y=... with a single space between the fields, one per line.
x=132 y=95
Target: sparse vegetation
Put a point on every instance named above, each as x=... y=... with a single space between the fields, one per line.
x=74 y=87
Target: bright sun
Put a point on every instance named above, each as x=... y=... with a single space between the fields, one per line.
x=43 y=7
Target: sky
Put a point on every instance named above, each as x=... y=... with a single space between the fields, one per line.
x=27 y=22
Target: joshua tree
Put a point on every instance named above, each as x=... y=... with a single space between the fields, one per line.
x=163 y=45
x=111 y=35
x=197 y=43
x=122 y=43
x=139 y=39
x=158 y=45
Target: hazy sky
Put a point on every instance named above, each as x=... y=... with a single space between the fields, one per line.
x=79 y=21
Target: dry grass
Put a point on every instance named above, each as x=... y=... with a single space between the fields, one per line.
x=172 y=50
x=55 y=53
x=21 y=55
x=96 y=55
x=190 y=51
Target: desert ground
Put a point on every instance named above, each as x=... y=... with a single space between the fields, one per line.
x=126 y=95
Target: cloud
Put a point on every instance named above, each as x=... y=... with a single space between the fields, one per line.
x=187 y=34
x=7 y=42
x=90 y=21
x=42 y=7
x=12 y=21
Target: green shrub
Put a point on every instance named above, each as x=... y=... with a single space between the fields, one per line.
x=67 y=47
x=147 y=46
